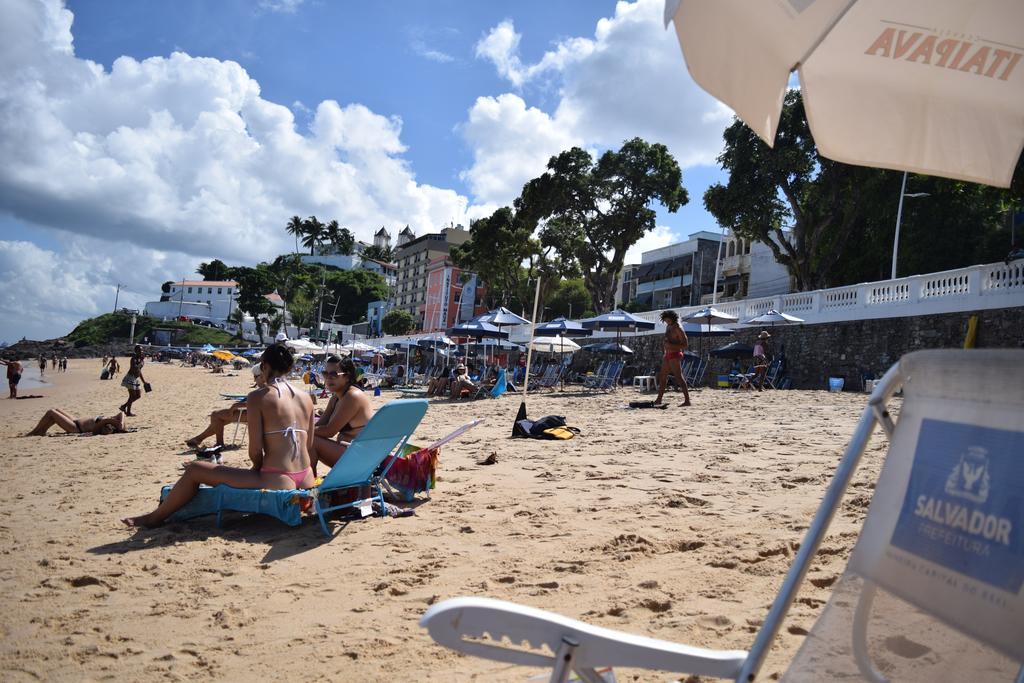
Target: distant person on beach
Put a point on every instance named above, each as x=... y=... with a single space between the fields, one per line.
x=42 y=366
x=671 y=362
x=461 y=382
x=280 y=441
x=53 y=361
x=761 y=358
x=133 y=380
x=347 y=412
x=64 y=364
x=438 y=386
x=13 y=376
x=72 y=425
x=114 y=366
x=219 y=419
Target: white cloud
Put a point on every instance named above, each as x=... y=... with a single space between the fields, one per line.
x=511 y=144
x=45 y=293
x=181 y=155
x=282 y=6
x=660 y=236
x=423 y=50
x=628 y=80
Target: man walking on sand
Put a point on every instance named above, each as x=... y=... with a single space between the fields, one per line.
x=675 y=348
x=13 y=376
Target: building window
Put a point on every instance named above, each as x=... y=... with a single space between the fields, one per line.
x=219 y=290
x=189 y=290
x=209 y=290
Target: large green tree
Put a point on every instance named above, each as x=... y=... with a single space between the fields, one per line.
x=383 y=254
x=214 y=270
x=803 y=206
x=348 y=293
x=396 y=322
x=833 y=224
x=593 y=212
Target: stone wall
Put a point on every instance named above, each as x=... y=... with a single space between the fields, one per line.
x=845 y=349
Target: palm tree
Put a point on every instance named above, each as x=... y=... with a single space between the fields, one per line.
x=314 y=233
x=296 y=227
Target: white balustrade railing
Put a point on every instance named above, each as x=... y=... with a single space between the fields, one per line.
x=994 y=285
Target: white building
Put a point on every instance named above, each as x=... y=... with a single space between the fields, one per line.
x=749 y=270
x=212 y=300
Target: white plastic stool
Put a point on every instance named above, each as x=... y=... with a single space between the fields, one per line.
x=644 y=382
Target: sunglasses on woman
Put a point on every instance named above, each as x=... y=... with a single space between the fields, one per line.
x=331 y=374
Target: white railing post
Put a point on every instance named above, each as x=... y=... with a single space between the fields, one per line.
x=974 y=281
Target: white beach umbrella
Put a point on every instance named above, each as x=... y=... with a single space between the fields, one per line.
x=557 y=344
x=927 y=86
x=773 y=318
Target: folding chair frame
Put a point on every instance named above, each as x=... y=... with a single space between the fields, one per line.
x=635 y=649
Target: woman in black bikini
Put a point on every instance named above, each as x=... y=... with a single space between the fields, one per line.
x=280 y=442
x=346 y=413
x=73 y=425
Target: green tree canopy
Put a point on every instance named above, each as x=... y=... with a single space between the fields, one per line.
x=352 y=290
x=592 y=213
x=570 y=298
x=384 y=254
x=833 y=224
x=214 y=270
x=313 y=233
x=396 y=322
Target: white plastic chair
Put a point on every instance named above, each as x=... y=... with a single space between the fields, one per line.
x=934 y=588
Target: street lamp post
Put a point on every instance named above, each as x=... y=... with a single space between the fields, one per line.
x=899 y=216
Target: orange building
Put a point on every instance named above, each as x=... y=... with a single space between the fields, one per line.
x=453 y=295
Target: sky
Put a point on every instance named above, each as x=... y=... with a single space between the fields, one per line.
x=140 y=138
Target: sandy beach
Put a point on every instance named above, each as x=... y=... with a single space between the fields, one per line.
x=678 y=524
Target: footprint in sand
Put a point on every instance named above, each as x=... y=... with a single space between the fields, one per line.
x=905 y=647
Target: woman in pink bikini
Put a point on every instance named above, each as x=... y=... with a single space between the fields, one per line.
x=675 y=347
x=280 y=440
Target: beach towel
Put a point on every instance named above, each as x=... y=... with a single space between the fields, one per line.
x=647 y=404
x=548 y=427
x=413 y=472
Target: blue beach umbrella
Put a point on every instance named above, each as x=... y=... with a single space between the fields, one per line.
x=561 y=327
x=617 y=320
x=502 y=317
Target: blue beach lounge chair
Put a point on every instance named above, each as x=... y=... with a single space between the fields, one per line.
x=934 y=587
x=364 y=464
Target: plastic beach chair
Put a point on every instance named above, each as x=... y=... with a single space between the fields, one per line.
x=933 y=588
x=365 y=464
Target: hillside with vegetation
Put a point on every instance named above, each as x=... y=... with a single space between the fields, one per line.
x=110 y=326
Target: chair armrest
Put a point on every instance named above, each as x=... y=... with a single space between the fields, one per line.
x=451 y=621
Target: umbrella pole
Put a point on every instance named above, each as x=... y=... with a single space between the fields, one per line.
x=521 y=415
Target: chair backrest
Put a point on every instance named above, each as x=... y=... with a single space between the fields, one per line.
x=389 y=428
x=939 y=564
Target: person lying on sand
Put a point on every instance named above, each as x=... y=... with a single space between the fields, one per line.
x=73 y=425
x=347 y=412
x=280 y=423
x=219 y=419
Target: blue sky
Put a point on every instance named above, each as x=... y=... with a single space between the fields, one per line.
x=163 y=134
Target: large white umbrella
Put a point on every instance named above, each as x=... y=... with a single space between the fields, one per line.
x=554 y=345
x=773 y=318
x=927 y=86
x=303 y=345
x=709 y=315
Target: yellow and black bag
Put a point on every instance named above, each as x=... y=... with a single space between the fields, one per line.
x=561 y=432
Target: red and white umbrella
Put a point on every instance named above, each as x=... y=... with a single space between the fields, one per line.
x=926 y=86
